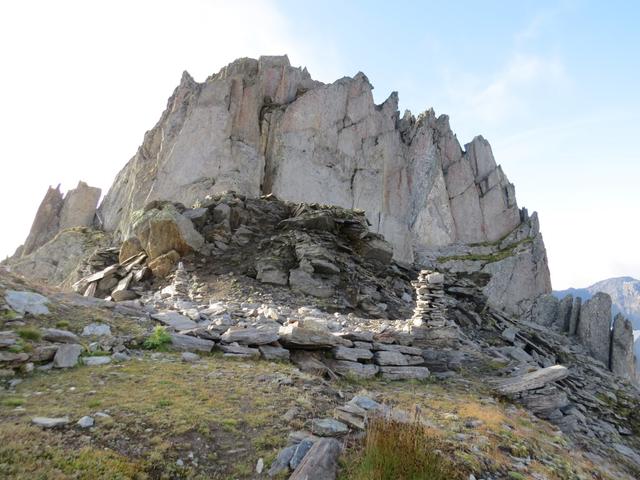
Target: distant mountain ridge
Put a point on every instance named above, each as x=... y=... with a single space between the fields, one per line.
x=624 y=292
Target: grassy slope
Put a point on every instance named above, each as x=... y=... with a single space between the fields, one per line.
x=228 y=414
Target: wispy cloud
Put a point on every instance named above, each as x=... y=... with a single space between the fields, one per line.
x=513 y=90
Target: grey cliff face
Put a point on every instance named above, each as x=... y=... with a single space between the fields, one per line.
x=261 y=126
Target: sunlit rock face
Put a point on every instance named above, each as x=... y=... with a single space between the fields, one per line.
x=263 y=126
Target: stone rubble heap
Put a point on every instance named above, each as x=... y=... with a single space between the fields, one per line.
x=117 y=282
x=431 y=306
x=323 y=252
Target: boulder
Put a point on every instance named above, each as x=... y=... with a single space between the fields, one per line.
x=97 y=330
x=163 y=265
x=239 y=351
x=328 y=427
x=397 y=348
x=594 y=327
x=67 y=355
x=352 y=369
x=85 y=422
x=533 y=380
x=43 y=353
x=563 y=321
x=188 y=343
x=320 y=463
x=95 y=361
x=163 y=229
x=250 y=336
x=189 y=357
x=122 y=293
x=351 y=354
x=281 y=463
x=383 y=357
x=304 y=337
x=129 y=248
x=174 y=320
x=270 y=352
x=352 y=415
x=13 y=357
x=59 y=336
x=27 y=302
x=404 y=373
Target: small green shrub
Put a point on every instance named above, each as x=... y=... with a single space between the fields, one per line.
x=403 y=451
x=8 y=315
x=63 y=324
x=158 y=340
x=30 y=333
x=13 y=402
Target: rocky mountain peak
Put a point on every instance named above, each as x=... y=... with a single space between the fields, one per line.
x=269 y=217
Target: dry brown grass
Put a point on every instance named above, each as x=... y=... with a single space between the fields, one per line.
x=395 y=450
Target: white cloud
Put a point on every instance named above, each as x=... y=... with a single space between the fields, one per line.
x=82 y=81
x=512 y=91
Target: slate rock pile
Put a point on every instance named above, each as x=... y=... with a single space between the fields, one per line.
x=326 y=253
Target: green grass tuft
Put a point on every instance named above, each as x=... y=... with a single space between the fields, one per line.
x=30 y=333
x=158 y=340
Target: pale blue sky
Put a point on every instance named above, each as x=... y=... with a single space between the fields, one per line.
x=552 y=85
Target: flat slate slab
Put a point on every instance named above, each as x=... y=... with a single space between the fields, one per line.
x=47 y=422
x=175 y=320
x=320 y=463
x=404 y=373
x=27 y=302
x=533 y=380
x=187 y=343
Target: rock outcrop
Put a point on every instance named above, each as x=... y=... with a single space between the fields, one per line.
x=591 y=323
x=79 y=207
x=622 y=354
x=263 y=127
x=55 y=214
x=594 y=327
x=46 y=222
